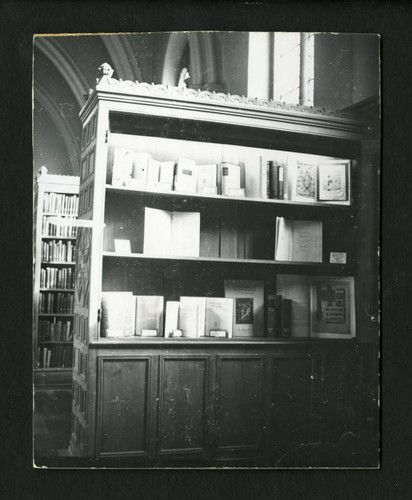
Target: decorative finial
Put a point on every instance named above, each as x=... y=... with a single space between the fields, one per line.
x=42 y=170
x=105 y=73
x=184 y=75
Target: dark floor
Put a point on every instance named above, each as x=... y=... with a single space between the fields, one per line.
x=51 y=422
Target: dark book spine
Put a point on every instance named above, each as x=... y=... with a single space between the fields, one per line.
x=286 y=318
x=274 y=180
x=278 y=316
x=270 y=316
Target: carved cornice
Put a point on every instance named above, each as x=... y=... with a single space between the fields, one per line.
x=197 y=95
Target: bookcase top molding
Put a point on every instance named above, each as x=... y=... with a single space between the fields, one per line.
x=218 y=103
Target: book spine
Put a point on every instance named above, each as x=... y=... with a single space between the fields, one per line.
x=274 y=180
x=270 y=316
x=263 y=179
x=286 y=318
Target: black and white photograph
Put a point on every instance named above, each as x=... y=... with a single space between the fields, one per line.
x=163 y=164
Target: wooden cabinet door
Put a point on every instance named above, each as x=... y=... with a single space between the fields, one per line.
x=124 y=408
x=183 y=402
x=292 y=407
x=239 y=399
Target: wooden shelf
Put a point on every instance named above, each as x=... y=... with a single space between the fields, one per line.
x=60 y=315
x=319 y=267
x=52 y=342
x=58 y=263
x=68 y=290
x=177 y=194
x=66 y=238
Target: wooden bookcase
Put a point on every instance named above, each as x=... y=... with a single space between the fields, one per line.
x=157 y=401
x=55 y=209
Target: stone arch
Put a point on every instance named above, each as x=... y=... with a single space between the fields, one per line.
x=63 y=126
x=122 y=57
x=205 y=59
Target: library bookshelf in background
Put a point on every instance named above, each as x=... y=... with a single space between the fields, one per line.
x=190 y=193
x=55 y=211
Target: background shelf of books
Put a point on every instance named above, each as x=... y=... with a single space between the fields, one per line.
x=182 y=218
x=55 y=282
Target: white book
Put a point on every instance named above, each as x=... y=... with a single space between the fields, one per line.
x=207 y=178
x=230 y=177
x=188 y=319
x=149 y=314
x=122 y=168
x=140 y=168
x=172 y=317
x=298 y=241
x=186 y=176
x=153 y=171
x=199 y=303
x=248 y=306
x=219 y=316
x=167 y=172
x=171 y=233
x=118 y=314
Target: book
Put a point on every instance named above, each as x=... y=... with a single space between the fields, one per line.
x=264 y=181
x=248 y=307
x=153 y=173
x=186 y=176
x=230 y=177
x=209 y=237
x=333 y=182
x=149 y=315
x=274 y=315
x=296 y=288
x=281 y=182
x=273 y=179
x=207 y=178
x=118 y=314
x=304 y=184
x=122 y=167
x=171 y=233
x=171 y=317
x=332 y=307
x=192 y=316
x=140 y=169
x=219 y=316
x=286 y=318
x=298 y=241
x=228 y=241
x=166 y=176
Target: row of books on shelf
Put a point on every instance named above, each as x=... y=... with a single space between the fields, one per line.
x=55 y=331
x=138 y=170
x=183 y=234
x=307 y=181
x=53 y=277
x=56 y=303
x=59 y=356
x=64 y=230
x=302 y=307
x=59 y=203
x=239 y=314
x=58 y=251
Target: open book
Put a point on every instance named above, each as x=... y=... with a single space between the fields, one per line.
x=171 y=233
x=298 y=241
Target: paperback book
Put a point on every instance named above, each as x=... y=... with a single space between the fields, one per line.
x=219 y=317
x=118 y=314
x=248 y=307
x=149 y=315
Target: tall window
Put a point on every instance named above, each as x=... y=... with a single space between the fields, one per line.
x=293 y=68
x=281 y=67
